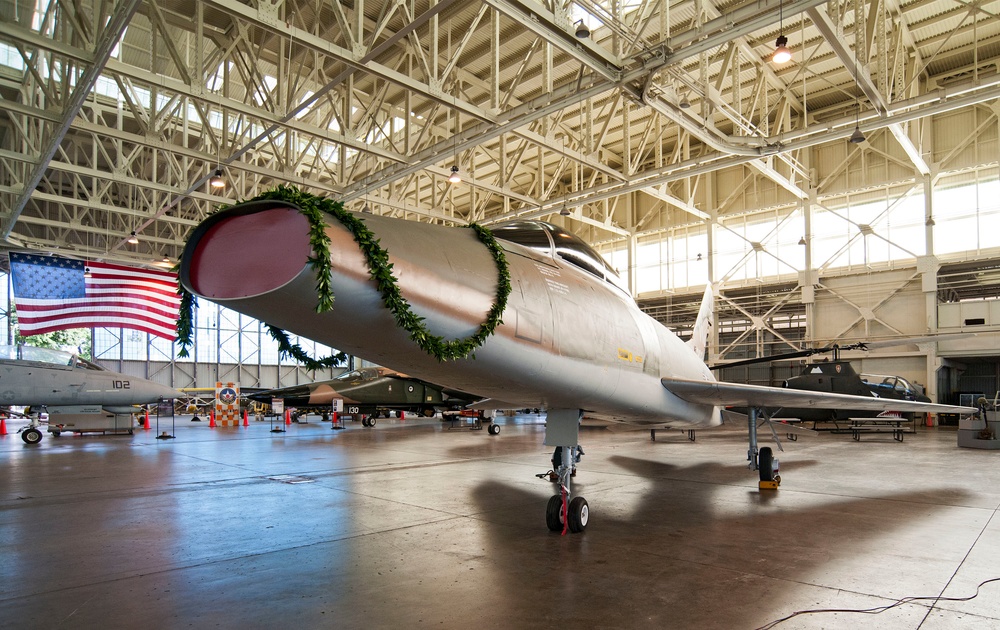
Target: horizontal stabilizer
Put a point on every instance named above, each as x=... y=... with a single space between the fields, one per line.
x=740 y=395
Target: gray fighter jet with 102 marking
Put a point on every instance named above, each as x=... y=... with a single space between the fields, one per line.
x=77 y=395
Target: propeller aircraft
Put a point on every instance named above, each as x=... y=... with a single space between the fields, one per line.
x=572 y=340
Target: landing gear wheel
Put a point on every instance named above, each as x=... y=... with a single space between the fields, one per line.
x=579 y=515
x=765 y=464
x=494 y=429
x=553 y=514
x=371 y=421
x=364 y=421
x=31 y=436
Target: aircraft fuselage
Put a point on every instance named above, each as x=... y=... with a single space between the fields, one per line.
x=569 y=339
x=31 y=383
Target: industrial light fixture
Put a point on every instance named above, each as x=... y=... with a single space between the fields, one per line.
x=858 y=136
x=455 y=178
x=582 y=31
x=217 y=180
x=699 y=257
x=86 y=272
x=133 y=239
x=685 y=103
x=564 y=211
x=802 y=240
x=781 y=53
x=930 y=222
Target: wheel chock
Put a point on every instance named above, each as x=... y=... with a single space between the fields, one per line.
x=768 y=485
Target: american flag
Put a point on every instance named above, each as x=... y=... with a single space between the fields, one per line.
x=53 y=294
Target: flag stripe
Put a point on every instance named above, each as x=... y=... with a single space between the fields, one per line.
x=52 y=294
x=54 y=314
x=110 y=302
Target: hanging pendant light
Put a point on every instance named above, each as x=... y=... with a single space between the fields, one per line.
x=455 y=178
x=858 y=136
x=133 y=239
x=217 y=180
x=781 y=52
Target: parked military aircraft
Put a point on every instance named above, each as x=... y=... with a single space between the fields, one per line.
x=77 y=395
x=369 y=391
x=572 y=339
x=838 y=376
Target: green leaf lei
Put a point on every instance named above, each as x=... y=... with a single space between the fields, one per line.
x=380 y=270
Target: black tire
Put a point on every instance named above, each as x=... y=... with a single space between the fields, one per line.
x=31 y=436
x=365 y=421
x=765 y=462
x=494 y=429
x=579 y=515
x=553 y=514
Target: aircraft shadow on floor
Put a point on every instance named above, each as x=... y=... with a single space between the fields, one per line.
x=707 y=536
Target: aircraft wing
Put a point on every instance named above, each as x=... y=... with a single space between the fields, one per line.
x=740 y=395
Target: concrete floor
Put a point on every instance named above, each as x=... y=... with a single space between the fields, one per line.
x=411 y=525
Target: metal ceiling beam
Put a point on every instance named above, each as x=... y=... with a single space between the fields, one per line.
x=857 y=71
x=555 y=29
x=109 y=36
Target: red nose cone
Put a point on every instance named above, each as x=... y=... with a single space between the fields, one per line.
x=248 y=254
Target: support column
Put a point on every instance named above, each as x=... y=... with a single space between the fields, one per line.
x=928 y=266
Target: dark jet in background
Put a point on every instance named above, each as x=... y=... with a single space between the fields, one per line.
x=368 y=392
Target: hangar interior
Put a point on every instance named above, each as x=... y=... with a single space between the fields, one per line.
x=661 y=132
x=850 y=194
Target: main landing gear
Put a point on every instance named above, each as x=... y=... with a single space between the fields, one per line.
x=762 y=460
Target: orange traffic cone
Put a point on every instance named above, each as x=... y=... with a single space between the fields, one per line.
x=211 y=419
x=402 y=415
x=145 y=425
x=288 y=416
x=246 y=418
x=3 y=425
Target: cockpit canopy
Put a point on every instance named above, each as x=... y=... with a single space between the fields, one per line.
x=552 y=240
x=46 y=355
x=360 y=375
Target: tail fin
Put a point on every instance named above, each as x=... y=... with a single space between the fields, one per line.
x=706 y=318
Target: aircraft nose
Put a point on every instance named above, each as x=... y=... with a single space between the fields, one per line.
x=219 y=263
x=166 y=392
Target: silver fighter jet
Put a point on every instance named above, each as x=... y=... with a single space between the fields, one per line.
x=77 y=395
x=572 y=340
